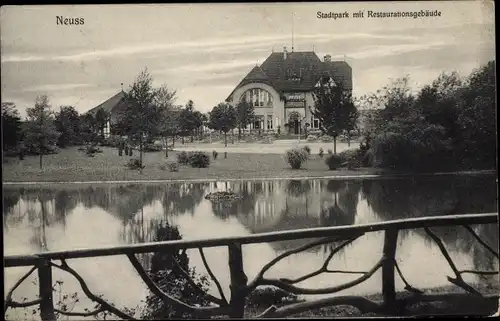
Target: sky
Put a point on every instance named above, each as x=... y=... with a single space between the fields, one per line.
x=204 y=50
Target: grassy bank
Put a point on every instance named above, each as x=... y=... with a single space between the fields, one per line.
x=72 y=165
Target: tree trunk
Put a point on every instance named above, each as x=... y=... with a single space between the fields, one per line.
x=225 y=139
x=192 y=137
x=173 y=141
x=239 y=133
x=232 y=136
x=335 y=145
x=41 y=158
x=348 y=139
x=182 y=139
x=166 y=146
x=140 y=151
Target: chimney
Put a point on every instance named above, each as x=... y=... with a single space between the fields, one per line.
x=284 y=53
x=328 y=58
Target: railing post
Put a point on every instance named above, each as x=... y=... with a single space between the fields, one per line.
x=238 y=281
x=45 y=290
x=388 y=284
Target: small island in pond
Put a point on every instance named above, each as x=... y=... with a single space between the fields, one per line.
x=222 y=196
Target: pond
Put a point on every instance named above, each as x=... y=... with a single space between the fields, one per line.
x=70 y=216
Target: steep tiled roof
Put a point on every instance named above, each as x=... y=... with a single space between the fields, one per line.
x=303 y=65
x=340 y=71
x=299 y=71
x=109 y=104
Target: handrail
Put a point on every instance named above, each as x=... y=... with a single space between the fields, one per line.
x=340 y=232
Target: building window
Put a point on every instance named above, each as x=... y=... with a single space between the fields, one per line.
x=258 y=97
x=314 y=123
x=270 y=122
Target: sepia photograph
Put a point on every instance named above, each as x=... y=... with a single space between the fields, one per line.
x=249 y=160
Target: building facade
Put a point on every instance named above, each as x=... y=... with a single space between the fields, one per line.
x=281 y=89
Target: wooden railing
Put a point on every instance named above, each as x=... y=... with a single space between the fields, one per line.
x=241 y=287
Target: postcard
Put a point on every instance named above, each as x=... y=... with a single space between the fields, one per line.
x=249 y=160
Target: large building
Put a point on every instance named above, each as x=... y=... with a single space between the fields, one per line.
x=281 y=89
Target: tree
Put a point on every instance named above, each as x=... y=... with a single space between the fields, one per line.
x=101 y=118
x=141 y=118
x=164 y=99
x=189 y=119
x=245 y=113
x=335 y=109
x=11 y=126
x=40 y=132
x=67 y=122
x=223 y=118
x=88 y=128
x=477 y=118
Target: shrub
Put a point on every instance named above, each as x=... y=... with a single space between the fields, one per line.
x=199 y=160
x=152 y=147
x=173 y=167
x=134 y=163
x=112 y=141
x=307 y=149
x=296 y=157
x=321 y=152
x=330 y=152
x=311 y=138
x=333 y=162
x=183 y=158
x=163 y=167
x=352 y=158
x=264 y=297
x=214 y=154
x=170 y=277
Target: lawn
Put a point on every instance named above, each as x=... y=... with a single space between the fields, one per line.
x=73 y=165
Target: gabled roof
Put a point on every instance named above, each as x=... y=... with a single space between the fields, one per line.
x=299 y=71
x=304 y=65
x=256 y=74
x=109 y=104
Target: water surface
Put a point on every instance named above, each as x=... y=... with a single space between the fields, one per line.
x=63 y=217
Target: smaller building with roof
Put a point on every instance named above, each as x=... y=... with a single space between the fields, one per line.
x=281 y=89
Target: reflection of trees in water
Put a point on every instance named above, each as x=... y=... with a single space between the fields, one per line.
x=298 y=188
x=10 y=199
x=182 y=198
x=343 y=211
x=431 y=196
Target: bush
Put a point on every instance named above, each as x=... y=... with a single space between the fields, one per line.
x=134 y=163
x=296 y=157
x=199 y=160
x=152 y=147
x=333 y=162
x=35 y=150
x=173 y=167
x=170 y=277
x=307 y=149
x=183 y=158
x=311 y=138
x=352 y=158
x=321 y=152
x=214 y=154
x=264 y=297
x=112 y=141
x=330 y=152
